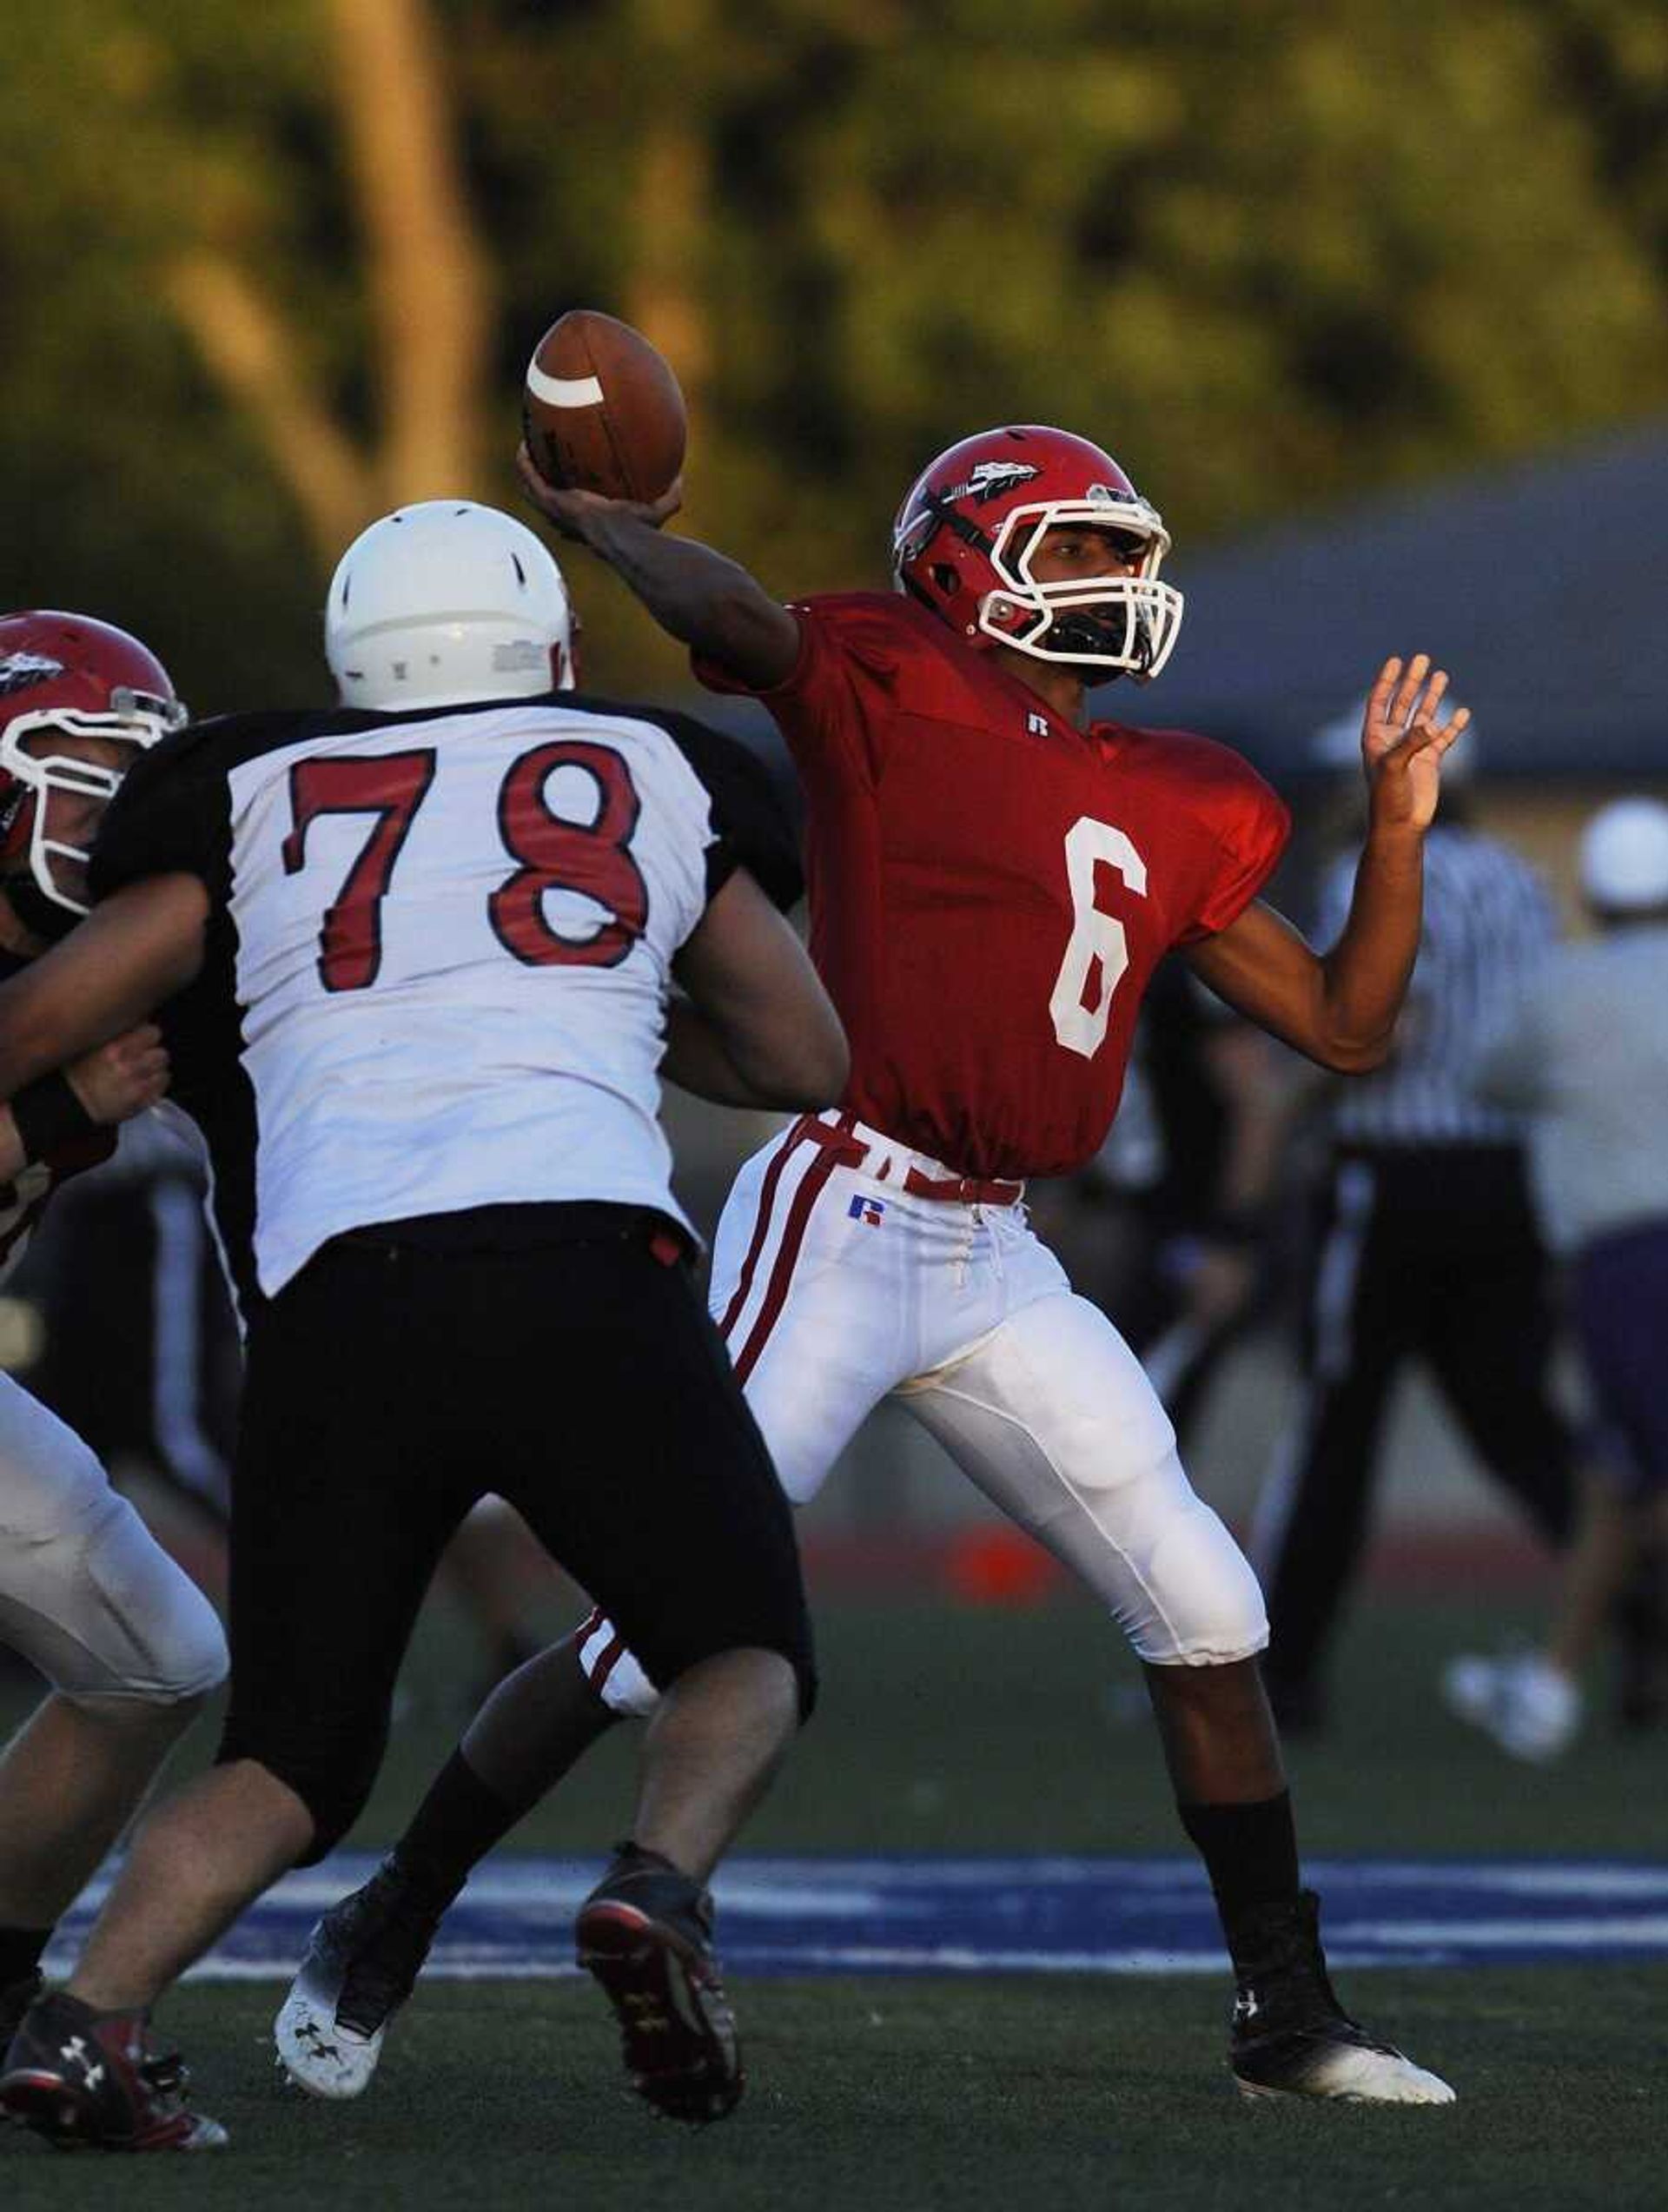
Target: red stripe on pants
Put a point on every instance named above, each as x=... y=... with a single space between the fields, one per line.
x=612 y=1651
x=766 y=1200
x=805 y=1198
x=602 y=1666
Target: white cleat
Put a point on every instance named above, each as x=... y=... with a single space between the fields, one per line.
x=1350 y=2072
x=362 y=1962
x=317 y=2054
x=1531 y=1710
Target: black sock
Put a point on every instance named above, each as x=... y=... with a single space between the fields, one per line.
x=456 y=1826
x=20 y=1953
x=1249 y=1851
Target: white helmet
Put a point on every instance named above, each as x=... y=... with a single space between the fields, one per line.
x=443 y=602
x=1624 y=856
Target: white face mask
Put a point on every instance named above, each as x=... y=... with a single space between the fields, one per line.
x=41 y=754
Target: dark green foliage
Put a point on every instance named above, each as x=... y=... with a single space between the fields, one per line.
x=1275 y=255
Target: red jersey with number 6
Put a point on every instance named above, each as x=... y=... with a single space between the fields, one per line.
x=990 y=888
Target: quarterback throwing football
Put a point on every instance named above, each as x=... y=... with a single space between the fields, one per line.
x=994 y=875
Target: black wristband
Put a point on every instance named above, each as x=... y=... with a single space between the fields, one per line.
x=49 y=1115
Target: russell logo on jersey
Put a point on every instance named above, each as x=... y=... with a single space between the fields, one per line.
x=869 y=1210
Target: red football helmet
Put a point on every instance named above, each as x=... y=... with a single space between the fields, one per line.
x=66 y=676
x=964 y=538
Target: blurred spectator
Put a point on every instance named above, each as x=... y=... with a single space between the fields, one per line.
x=140 y=1352
x=1426 y=1246
x=1586 y=1055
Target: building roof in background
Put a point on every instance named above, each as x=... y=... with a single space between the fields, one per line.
x=1544 y=588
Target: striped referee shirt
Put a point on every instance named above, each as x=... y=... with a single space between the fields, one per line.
x=1489 y=922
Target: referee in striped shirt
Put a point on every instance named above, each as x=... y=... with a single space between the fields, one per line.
x=1426 y=1248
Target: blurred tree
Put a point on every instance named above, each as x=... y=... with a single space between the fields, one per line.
x=425 y=286
x=268 y=269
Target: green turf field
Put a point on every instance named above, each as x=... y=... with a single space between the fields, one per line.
x=1027 y=2094
x=957 y=1729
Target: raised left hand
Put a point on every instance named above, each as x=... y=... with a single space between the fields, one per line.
x=1403 y=741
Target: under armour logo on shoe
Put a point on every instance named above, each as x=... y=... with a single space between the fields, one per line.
x=1246 y=2007
x=92 y=2071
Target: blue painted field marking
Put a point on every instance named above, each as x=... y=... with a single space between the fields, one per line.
x=993 y=1915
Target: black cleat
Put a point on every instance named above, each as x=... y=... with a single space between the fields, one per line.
x=362 y=1962
x=81 y=2077
x=1291 y=2037
x=646 y=1934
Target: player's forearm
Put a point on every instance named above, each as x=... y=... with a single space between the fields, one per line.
x=13 y=1157
x=38 y=1032
x=702 y=598
x=695 y=1059
x=796 y=1066
x=1367 y=972
x=130 y=954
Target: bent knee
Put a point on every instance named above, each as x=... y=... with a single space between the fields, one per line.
x=620 y=1682
x=165 y=1637
x=615 y=1679
x=104 y=1613
x=332 y=1774
x=1203 y=1605
x=1178 y=1585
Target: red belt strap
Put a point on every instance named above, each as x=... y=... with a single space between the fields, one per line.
x=849 y=1150
x=963 y=1190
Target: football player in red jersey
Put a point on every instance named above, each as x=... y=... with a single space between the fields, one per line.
x=993 y=875
x=128 y=1643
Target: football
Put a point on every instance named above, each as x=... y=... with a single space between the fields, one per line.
x=601 y=409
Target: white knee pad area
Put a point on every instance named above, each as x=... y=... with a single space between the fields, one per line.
x=1207 y=1608
x=104 y=1613
x=87 y=1594
x=1053 y=1419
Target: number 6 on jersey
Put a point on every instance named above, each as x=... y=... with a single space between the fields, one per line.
x=1096 y=938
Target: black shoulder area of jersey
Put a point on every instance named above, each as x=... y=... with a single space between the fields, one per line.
x=749 y=810
x=172 y=811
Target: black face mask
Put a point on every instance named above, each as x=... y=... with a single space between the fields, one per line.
x=1123 y=631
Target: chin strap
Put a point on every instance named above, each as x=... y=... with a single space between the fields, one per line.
x=41 y=916
x=962 y=526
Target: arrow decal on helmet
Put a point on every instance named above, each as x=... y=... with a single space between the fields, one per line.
x=990 y=480
x=19 y=672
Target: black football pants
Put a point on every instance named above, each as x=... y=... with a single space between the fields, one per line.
x=1428 y=1253
x=406 y=1373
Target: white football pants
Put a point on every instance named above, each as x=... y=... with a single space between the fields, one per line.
x=835 y=1287
x=87 y=1594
